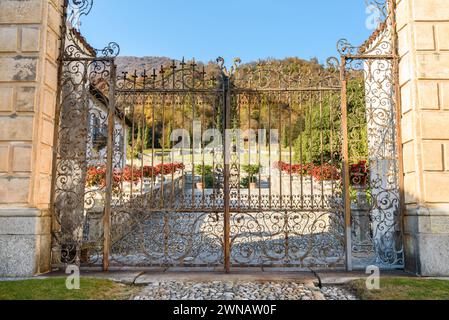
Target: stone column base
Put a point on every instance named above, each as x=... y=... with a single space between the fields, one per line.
x=427 y=242
x=25 y=242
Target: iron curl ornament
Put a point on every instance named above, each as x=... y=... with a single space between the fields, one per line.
x=381 y=39
x=76 y=46
x=78 y=8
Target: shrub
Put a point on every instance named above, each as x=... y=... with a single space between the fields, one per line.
x=207 y=175
x=251 y=171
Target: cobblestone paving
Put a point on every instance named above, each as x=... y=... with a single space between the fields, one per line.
x=337 y=293
x=219 y=290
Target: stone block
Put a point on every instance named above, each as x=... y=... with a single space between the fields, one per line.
x=417 y=221
x=52 y=46
x=428 y=95
x=430 y=10
x=21 y=11
x=54 y=18
x=47 y=132
x=18 y=255
x=18 y=68
x=14 y=190
x=44 y=253
x=4 y=158
x=8 y=39
x=30 y=39
x=443 y=36
x=404 y=42
x=46 y=159
x=22 y=158
x=435 y=125
x=433 y=254
x=404 y=72
x=433 y=65
x=424 y=36
x=44 y=190
x=411 y=253
x=51 y=75
x=407 y=128
x=16 y=128
x=21 y=225
x=410 y=189
x=6 y=99
x=446 y=156
x=439 y=225
x=436 y=187
x=49 y=103
x=444 y=95
x=406 y=95
x=402 y=19
x=433 y=156
x=26 y=99
x=409 y=157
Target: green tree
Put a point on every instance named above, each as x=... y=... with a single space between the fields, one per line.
x=319 y=137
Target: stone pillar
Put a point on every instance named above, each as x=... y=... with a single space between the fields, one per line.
x=29 y=48
x=423 y=30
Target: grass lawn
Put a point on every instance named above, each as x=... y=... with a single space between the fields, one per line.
x=55 y=289
x=403 y=289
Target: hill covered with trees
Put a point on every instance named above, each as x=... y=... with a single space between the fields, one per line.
x=309 y=122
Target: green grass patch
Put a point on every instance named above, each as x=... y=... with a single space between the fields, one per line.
x=55 y=289
x=403 y=289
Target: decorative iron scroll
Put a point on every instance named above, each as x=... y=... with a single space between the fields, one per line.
x=376 y=208
x=380 y=42
x=76 y=9
x=79 y=180
x=76 y=46
x=82 y=133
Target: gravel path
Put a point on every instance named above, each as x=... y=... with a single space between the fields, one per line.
x=219 y=290
x=337 y=293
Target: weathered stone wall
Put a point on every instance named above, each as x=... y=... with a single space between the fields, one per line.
x=29 y=48
x=423 y=30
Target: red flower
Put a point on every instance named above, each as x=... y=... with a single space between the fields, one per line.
x=321 y=173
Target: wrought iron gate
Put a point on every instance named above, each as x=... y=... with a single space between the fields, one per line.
x=269 y=164
x=222 y=184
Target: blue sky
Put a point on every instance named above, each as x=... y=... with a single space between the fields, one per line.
x=206 y=29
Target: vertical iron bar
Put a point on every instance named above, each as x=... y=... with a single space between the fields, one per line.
x=322 y=148
x=227 y=144
x=345 y=151
x=259 y=144
x=193 y=102
x=183 y=118
x=133 y=140
x=108 y=201
x=153 y=137
x=398 y=97
x=301 y=159
x=172 y=128
x=203 y=144
x=290 y=150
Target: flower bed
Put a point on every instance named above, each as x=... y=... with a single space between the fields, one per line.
x=96 y=176
x=326 y=172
